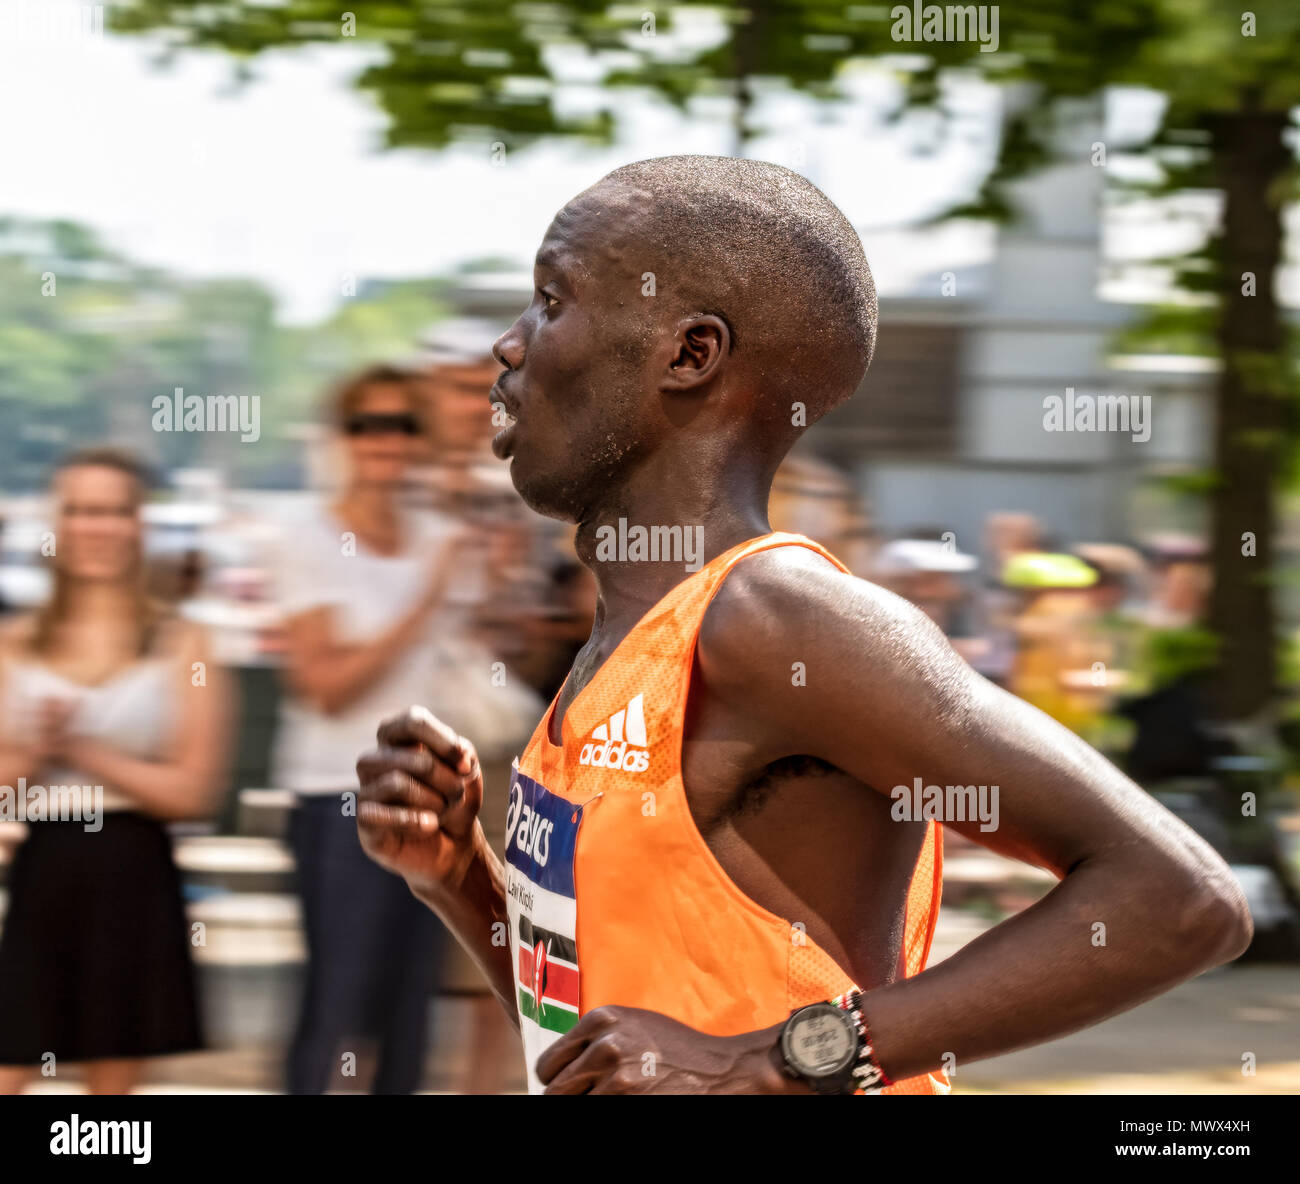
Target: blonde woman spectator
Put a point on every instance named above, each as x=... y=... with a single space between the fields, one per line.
x=107 y=695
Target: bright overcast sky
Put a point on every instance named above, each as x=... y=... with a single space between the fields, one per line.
x=283 y=180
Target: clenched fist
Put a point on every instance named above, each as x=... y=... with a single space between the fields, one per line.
x=421 y=792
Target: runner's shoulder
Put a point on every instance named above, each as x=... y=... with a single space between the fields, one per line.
x=790 y=604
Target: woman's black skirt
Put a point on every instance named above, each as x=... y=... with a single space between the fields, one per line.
x=95 y=954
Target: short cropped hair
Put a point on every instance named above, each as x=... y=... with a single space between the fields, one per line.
x=765 y=249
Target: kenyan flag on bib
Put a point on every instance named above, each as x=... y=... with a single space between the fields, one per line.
x=548 y=977
x=541 y=839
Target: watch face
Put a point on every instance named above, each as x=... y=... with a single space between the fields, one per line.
x=820 y=1041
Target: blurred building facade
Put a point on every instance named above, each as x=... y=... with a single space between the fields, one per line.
x=1026 y=326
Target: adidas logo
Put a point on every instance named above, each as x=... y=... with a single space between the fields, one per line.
x=620 y=744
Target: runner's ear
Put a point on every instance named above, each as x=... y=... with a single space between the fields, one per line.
x=701 y=345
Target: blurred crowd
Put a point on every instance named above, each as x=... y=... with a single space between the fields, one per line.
x=414 y=574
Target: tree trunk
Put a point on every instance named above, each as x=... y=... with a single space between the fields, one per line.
x=1251 y=406
x=746 y=47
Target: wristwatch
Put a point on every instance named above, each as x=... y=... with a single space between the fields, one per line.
x=825 y=1046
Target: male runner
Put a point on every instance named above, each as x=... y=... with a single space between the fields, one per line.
x=703 y=835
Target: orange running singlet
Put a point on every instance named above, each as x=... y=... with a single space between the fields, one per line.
x=615 y=898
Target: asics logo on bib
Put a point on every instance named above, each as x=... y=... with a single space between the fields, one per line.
x=621 y=743
x=527 y=829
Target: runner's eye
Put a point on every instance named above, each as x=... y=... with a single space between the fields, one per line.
x=548 y=301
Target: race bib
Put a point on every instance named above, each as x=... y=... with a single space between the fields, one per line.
x=541 y=839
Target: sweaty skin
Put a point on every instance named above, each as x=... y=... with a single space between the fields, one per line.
x=656 y=417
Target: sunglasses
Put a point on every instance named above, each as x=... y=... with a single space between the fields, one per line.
x=382 y=425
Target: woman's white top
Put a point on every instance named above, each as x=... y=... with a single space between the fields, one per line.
x=321 y=565
x=134 y=712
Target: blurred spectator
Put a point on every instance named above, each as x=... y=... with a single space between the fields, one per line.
x=453 y=383
x=488 y=662
x=925 y=571
x=1181 y=581
x=1006 y=534
x=107 y=694
x=1172 y=706
x=466 y=482
x=814 y=498
x=176 y=579
x=379 y=604
x=1057 y=647
x=1117 y=604
x=363 y=586
x=558 y=632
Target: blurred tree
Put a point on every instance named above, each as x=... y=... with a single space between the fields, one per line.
x=452 y=70
x=1232 y=84
x=88 y=340
x=447 y=71
x=46 y=364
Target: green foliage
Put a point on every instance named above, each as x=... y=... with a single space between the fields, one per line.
x=88 y=341
x=451 y=70
x=1175 y=654
x=1170 y=329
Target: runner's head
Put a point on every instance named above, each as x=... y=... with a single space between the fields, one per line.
x=686 y=303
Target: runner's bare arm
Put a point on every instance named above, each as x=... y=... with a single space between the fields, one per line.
x=417 y=816
x=888 y=701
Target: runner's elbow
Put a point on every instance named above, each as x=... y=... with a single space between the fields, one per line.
x=1232 y=921
x=1213 y=921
